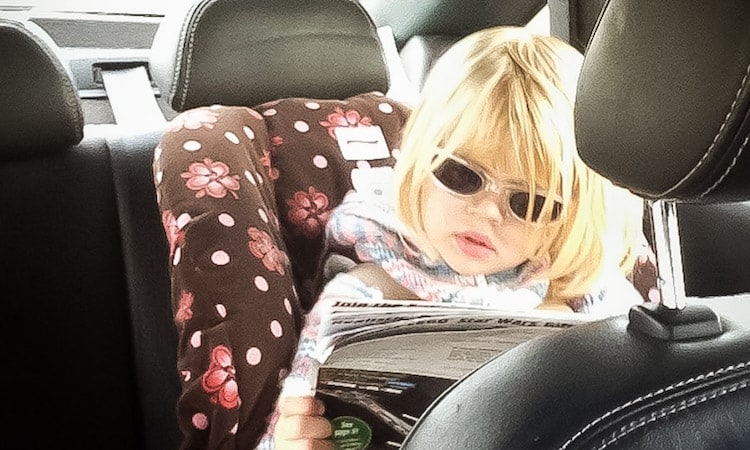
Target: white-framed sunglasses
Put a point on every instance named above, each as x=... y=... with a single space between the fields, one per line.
x=460 y=178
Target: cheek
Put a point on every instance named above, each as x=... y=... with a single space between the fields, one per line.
x=533 y=240
x=440 y=208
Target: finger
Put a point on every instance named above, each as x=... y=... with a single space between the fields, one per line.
x=304 y=444
x=304 y=406
x=302 y=427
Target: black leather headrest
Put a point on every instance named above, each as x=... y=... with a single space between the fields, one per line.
x=664 y=99
x=246 y=52
x=410 y=18
x=39 y=109
x=574 y=20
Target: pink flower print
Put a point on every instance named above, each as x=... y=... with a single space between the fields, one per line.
x=194 y=119
x=277 y=141
x=262 y=247
x=265 y=161
x=309 y=212
x=260 y=242
x=211 y=178
x=219 y=380
x=276 y=261
x=185 y=309
x=175 y=236
x=341 y=118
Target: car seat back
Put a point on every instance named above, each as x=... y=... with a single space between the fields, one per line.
x=71 y=357
x=714 y=236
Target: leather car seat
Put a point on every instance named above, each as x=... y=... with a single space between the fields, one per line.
x=74 y=362
x=714 y=236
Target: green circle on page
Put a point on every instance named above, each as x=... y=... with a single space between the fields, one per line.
x=350 y=433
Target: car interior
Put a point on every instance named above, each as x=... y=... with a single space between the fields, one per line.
x=663 y=110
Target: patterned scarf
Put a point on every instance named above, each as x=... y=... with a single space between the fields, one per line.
x=377 y=236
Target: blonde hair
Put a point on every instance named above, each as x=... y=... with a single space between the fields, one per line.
x=506 y=85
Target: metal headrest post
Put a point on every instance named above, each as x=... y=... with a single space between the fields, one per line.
x=672 y=319
x=668 y=253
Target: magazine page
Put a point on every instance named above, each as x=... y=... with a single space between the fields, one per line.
x=387 y=361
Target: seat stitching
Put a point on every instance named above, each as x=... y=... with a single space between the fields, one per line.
x=191 y=46
x=674 y=409
x=679 y=384
x=180 y=48
x=726 y=172
x=712 y=147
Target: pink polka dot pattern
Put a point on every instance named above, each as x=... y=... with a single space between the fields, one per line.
x=249 y=132
x=226 y=220
x=261 y=283
x=274 y=169
x=183 y=220
x=253 y=356
x=276 y=328
x=192 y=146
x=195 y=339
x=301 y=126
x=302 y=212
x=386 y=108
x=320 y=161
x=220 y=258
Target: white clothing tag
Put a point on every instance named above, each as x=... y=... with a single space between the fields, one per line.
x=374 y=181
x=362 y=143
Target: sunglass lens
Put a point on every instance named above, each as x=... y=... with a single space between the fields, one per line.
x=519 y=204
x=458 y=177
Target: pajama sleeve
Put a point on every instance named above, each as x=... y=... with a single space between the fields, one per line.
x=315 y=339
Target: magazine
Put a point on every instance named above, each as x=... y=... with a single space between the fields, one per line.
x=386 y=361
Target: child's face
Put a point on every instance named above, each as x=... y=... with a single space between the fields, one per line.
x=477 y=233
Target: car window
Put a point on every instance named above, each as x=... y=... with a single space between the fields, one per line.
x=138 y=7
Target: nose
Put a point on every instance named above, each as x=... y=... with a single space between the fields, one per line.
x=488 y=206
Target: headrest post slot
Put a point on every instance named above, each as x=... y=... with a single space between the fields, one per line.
x=668 y=253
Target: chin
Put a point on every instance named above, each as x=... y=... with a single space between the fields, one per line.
x=469 y=268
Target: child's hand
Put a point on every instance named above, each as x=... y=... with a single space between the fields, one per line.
x=301 y=425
